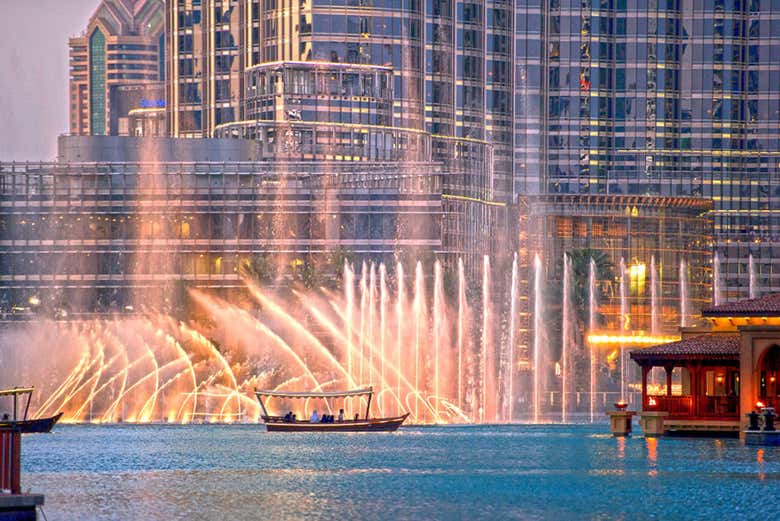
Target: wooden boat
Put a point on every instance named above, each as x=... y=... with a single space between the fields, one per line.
x=366 y=424
x=26 y=426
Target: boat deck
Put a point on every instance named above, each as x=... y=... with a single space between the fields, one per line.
x=277 y=424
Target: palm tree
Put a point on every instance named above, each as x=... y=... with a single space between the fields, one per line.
x=260 y=269
x=580 y=263
x=334 y=266
x=305 y=272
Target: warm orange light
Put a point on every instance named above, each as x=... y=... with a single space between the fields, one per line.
x=719 y=379
x=772 y=379
x=631 y=339
x=651 y=402
x=760 y=405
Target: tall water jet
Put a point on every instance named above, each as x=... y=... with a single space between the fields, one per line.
x=363 y=323
x=592 y=309
x=349 y=298
x=510 y=367
x=625 y=323
x=383 y=299
x=716 y=297
x=399 y=310
x=461 y=326
x=654 y=303
x=488 y=356
x=683 y=294
x=752 y=282
x=418 y=307
x=372 y=292
x=438 y=319
x=565 y=332
x=538 y=363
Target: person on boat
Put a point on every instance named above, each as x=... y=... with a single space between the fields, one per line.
x=5 y=416
x=341 y=415
x=315 y=418
x=288 y=417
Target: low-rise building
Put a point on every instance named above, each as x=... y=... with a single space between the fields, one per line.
x=714 y=378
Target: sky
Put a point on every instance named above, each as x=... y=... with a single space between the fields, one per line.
x=34 y=74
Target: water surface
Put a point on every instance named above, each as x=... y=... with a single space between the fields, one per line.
x=506 y=472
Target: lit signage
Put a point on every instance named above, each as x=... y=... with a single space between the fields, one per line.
x=152 y=103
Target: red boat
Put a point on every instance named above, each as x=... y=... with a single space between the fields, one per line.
x=366 y=424
x=37 y=425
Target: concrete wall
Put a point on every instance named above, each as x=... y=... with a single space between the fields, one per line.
x=123 y=149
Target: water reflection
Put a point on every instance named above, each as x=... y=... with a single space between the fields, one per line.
x=652 y=456
x=526 y=472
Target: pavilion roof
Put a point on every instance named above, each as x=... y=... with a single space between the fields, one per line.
x=702 y=347
x=766 y=306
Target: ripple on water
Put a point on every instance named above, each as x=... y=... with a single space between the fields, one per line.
x=507 y=472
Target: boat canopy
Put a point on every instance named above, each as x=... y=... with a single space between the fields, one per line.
x=366 y=391
x=16 y=390
x=330 y=394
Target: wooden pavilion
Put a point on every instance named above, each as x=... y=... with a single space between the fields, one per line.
x=714 y=377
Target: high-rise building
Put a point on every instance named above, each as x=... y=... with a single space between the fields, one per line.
x=122 y=45
x=671 y=98
x=450 y=62
x=208 y=46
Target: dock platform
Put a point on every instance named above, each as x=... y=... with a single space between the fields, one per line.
x=19 y=507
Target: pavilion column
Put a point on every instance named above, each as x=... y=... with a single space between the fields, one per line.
x=668 y=370
x=695 y=388
x=645 y=371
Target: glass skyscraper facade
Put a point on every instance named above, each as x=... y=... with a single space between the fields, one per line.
x=657 y=97
x=208 y=45
x=450 y=62
x=673 y=98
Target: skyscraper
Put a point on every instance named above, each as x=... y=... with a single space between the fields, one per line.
x=657 y=98
x=667 y=98
x=208 y=47
x=122 y=45
x=450 y=62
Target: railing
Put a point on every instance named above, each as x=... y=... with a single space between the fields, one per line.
x=674 y=405
x=686 y=406
x=720 y=406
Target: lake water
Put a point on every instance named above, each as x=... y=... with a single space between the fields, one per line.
x=505 y=472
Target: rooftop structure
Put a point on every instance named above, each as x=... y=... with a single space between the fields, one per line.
x=98 y=236
x=766 y=306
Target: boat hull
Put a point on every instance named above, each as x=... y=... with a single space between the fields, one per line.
x=32 y=426
x=371 y=425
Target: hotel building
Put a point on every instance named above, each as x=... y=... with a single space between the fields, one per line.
x=122 y=46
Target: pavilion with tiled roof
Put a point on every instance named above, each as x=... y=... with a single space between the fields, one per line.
x=715 y=377
x=768 y=305
x=700 y=347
